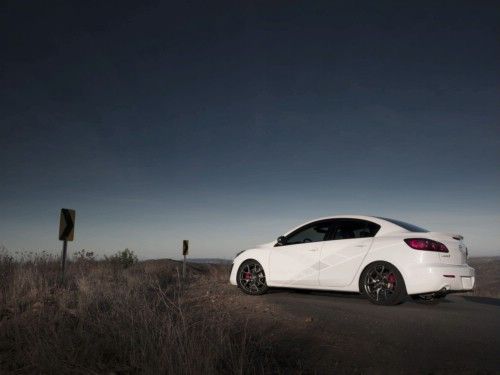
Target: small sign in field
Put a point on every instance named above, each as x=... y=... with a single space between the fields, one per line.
x=67 y=225
x=66 y=233
x=185 y=251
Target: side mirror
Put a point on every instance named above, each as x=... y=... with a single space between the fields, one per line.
x=281 y=241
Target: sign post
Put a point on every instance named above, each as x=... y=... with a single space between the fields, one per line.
x=66 y=233
x=185 y=251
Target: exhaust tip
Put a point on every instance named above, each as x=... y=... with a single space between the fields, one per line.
x=442 y=292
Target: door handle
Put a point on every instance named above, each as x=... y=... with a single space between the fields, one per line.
x=360 y=246
x=312 y=250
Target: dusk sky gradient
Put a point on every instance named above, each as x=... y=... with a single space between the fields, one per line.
x=227 y=123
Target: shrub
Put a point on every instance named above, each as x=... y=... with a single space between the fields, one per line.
x=125 y=258
x=84 y=256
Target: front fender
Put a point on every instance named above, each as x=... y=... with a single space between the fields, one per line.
x=260 y=255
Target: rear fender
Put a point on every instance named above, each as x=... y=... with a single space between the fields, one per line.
x=393 y=250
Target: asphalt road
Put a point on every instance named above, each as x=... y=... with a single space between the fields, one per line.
x=344 y=333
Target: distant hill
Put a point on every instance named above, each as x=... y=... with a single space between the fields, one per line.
x=484 y=259
x=487 y=276
x=209 y=260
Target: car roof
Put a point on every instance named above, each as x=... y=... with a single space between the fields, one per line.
x=385 y=226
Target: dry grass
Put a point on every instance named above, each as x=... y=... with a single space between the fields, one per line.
x=106 y=319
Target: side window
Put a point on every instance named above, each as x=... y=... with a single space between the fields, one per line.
x=311 y=233
x=346 y=229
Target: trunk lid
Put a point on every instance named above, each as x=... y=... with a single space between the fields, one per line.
x=457 y=251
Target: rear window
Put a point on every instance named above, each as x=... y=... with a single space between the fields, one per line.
x=353 y=228
x=407 y=226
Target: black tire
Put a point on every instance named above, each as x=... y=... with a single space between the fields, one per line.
x=382 y=284
x=251 y=278
x=427 y=299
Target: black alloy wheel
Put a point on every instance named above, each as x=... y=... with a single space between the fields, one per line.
x=251 y=278
x=382 y=284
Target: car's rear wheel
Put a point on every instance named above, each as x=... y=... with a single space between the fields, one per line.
x=382 y=284
x=251 y=278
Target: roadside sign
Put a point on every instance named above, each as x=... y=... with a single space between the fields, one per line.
x=66 y=233
x=67 y=225
x=185 y=251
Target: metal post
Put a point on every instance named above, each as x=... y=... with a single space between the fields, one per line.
x=184 y=268
x=63 y=260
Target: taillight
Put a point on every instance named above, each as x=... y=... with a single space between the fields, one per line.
x=425 y=244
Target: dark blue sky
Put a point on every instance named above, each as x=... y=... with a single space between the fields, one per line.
x=229 y=122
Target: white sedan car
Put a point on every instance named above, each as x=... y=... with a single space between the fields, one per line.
x=384 y=259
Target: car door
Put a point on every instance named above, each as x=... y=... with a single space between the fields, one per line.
x=344 y=251
x=296 y=263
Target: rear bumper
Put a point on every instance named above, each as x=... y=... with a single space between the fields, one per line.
x=435 y=277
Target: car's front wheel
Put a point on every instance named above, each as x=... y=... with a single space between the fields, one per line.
x=383 y=284
x=251 y=278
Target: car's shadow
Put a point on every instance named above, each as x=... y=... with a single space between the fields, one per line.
x=358 y=296
x=326 y=293
x=483 y=300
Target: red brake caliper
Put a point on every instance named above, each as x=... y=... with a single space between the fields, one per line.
x=391 y=278
x=247 y=275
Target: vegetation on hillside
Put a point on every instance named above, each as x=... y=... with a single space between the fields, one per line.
x=110 y=318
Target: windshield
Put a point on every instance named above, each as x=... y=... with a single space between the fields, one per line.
x=407 y=226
